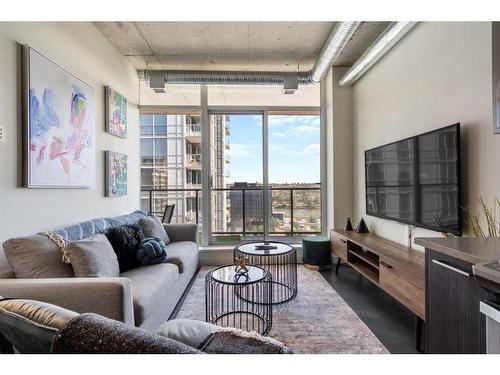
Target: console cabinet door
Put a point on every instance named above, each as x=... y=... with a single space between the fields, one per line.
x=453 y=321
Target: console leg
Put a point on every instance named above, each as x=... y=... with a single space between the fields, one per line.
x=338 y=266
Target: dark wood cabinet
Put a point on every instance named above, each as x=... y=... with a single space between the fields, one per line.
x=453 y=321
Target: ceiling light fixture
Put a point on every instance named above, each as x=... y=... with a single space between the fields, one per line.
x=378 y=49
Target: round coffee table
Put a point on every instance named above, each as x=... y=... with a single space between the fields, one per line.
x=280 y=259
x=240 y=300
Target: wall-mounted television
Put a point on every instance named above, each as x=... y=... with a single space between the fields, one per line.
x=417 y=180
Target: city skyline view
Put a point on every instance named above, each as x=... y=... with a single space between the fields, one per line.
x=294 y=149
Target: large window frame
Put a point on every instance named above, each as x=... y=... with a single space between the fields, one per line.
x=207 y=110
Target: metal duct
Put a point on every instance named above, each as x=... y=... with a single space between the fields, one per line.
x=335 y=44
x=337 y=40
x=379 y=48
x=177 y=77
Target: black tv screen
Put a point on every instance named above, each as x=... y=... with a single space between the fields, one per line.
x=417 y=180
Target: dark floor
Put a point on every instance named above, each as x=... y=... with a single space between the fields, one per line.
x=392 y=323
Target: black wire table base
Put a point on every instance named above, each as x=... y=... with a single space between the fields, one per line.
x=242 y=305
x=282 y=267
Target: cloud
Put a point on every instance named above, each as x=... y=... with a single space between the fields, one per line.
x=311 y=149
x=305 y=130
x=245 y=150
x=239 y=150
x=276 y=148
x=279 y=135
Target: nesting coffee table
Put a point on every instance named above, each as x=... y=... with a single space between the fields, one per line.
x=280 y=259
x=240 y=300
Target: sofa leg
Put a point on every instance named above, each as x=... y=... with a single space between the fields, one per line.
x=5 y=346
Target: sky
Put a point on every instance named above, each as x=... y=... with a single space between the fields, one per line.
x=294 y=151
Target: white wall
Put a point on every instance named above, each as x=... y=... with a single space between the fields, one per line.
x=439 y=74
x=81 y=49
x=339 y=173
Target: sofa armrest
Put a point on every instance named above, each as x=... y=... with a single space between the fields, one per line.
x=107 y=296
x=181 y=232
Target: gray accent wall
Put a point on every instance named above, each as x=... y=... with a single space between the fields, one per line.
x=440 y=73
x=80 y=48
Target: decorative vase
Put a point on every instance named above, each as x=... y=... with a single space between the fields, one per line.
x=362 y=227
x=348 y=225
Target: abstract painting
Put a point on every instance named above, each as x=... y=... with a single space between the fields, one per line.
x=116 y=113
x=116 y=174
x=59 y=129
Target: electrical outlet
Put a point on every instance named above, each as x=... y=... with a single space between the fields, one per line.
x=2 y=134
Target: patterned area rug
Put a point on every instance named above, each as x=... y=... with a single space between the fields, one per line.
x=317 y=321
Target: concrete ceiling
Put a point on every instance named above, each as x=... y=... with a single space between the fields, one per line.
x=240 y=46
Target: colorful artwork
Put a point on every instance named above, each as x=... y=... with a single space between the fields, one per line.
x=116 y=113
x=59 y=126
x=116 y=174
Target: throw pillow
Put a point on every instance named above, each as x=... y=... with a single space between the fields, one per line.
x=151 y=251
x=187 y=331
x=36 y=257
x=210 y=338
x=93 y=257
x=125 y=241
x=152 y=227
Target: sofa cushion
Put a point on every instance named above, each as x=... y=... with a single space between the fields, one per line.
x=188 y=331
x=151 y=288
x=125 y=240
x=182 y=254
x=93 y=257
x=152 y=227
x=36 y=256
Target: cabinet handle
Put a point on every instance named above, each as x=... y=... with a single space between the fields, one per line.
x=442 y=264
x=387 y=265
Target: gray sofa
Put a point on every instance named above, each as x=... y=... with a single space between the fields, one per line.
x=35 y=327
x=144 y=296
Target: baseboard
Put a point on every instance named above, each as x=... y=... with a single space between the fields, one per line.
x=220 y=257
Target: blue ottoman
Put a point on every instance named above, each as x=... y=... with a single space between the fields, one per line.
x=316 y=253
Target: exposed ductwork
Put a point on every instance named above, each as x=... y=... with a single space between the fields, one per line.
x=336 y=42
x=379 y=48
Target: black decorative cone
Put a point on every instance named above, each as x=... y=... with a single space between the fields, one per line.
x=362 y=228
x=348 y=225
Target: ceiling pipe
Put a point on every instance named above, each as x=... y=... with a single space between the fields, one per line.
x=379 y=48
x=335 y=44
x=341 y=33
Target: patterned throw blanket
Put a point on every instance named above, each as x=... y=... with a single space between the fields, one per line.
x=89 y=228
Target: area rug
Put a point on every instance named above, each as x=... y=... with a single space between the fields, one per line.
x=317 y=321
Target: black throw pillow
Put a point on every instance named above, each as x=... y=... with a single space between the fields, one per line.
x=125 y=240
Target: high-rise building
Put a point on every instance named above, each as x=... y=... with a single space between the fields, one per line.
x=171 y=162
x=250 y=208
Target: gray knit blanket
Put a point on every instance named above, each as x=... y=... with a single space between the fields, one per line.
x=94 y=334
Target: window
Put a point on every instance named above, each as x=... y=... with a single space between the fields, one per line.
x=285 y=127
x=168 y=175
